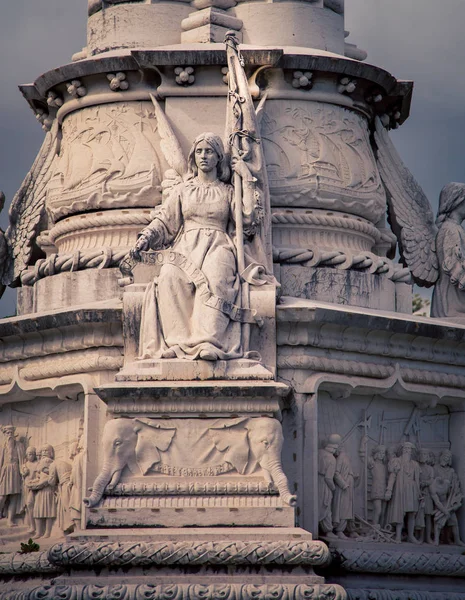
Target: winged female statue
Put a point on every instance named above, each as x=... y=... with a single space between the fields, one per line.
x=206 y=235
x=433 y=251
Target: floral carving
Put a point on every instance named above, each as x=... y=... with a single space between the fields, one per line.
x=117 y=81
x=346 y=85
x=184 y=75
x=54 y=100
x=76 y=89
x=302 y=79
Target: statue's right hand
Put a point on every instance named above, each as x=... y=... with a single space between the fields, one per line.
x=141 y=245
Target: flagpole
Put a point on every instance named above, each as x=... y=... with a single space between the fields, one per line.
x=235 y=141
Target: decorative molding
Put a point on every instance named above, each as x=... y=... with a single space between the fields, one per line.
x=60 y=338
x=110 y=218
x=83 y=361
x=364 y=261
x=21 y=564
x=168 y=487
x=305 y=360
x=135 y=554
x=104 y=258
x=442 y=564
x=182 y=591
x=378 y=594
x=186 y=501
x=370 y=338
x=193 y=405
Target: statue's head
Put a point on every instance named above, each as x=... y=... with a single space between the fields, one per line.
x=31 y=453
x=204 y=142
x=379 y=452
x=9 y=431
x=47 y=451
x=445 y=458
x=451 y=199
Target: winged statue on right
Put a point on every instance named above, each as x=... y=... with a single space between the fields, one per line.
x=434 y=251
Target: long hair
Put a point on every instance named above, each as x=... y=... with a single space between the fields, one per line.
x=452 y=196
x=216 y=143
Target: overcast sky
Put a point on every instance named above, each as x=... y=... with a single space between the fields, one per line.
x=421 y=40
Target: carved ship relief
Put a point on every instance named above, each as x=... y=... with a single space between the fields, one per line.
x=108 y=159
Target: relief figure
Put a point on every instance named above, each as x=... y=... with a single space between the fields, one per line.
x=447 y=497
x=29 y=473
x=378 y=468
x=326 y=486
x=45 y=505
x=403 y=492
x=343 y=497
x=11 y=484
x=424 y=518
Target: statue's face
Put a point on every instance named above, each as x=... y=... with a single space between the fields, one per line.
x=380 y=454
x=31 y=454
x=206 y=158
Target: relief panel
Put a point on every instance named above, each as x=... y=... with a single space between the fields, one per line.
x=319 y=156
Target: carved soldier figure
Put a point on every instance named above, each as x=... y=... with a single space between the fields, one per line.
x=424 y=517
x=403 y=493
x=326 y=487
x=75 y=483
x=45 y=507
x=447 y=497
x=343 y=497
x=379 y=472
x=29 y=473
x=11 y=484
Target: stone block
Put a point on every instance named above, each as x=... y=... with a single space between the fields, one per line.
x=206 y=33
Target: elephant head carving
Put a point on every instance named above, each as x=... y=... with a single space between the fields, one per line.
x=256 y=441
x=135 y=443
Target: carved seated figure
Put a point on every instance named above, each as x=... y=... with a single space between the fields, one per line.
x=194 y=308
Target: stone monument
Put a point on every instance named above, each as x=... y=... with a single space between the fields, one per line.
x=214 y=387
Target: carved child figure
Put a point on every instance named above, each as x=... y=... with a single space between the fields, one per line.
x=326 y=487
x=379 y=473
x=424 y=517
x=29 y=473
x=447 y=498
x=45 y=508
x=403 y=493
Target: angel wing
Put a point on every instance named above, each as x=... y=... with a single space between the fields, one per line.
x=410 y=212
x=169 y=143
x=27 y=209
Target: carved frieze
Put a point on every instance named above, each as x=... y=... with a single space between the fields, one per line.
x=183 y=591
x=319 y=156
x=108 y=158
x=190 y=448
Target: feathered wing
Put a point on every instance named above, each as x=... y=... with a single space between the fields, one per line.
x=410 y=212
x=169 y=143
x=27 y=209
